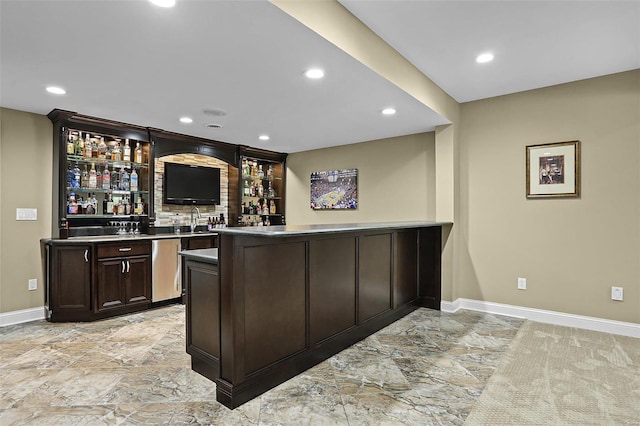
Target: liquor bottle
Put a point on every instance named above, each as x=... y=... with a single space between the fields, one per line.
x=124 y=180
x=116 y=154
x=272 y=207
x=260 y=172
x=246 y=191
x=120 y=207
x=94 y=203
x=106 y=178
x=69 y=176
x=127 y=206
x=93 y=183
x=115 y=180
x=88 y=209
x=87 y=146
x=71 y=148
x=254 y=169
x=102 y=149
x=222 y=220
x=98 y=178
x=79 y=145
x=134 y=180
x=246 y=170
x=270 y=171
x=209 y=225
x=73 y=205
x=94 y=148
x=260 y=190
x=126 y=152
x=271 y=193
x=76 y=177
x=138 y=153
x=252 y=190
x=109 y=209
x=84 y=178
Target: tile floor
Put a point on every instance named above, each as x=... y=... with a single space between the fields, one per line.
x=427 y=368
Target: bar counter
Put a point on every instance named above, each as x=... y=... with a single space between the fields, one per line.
x=274 y=301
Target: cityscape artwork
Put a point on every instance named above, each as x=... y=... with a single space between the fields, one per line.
x=334 y=189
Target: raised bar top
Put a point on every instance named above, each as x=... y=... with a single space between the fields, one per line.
x=293 y=230
x=209 y=255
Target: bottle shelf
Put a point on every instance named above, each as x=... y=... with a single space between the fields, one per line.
x=105 y=216
x=248 y=197
x=102 y=161
x=104 y=191
x=256 y=178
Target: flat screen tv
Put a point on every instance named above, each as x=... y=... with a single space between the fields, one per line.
x=191 y=185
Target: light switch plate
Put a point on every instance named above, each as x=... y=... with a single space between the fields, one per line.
x=26 y=214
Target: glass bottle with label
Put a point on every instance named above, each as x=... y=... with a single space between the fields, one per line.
x=87 y=146
x=134 y=180
x=84 y=178
x=272 y=207
x=260 y=172
x=76 y=177
x=79 y=145
x=102 y=149
x=109 y=209
x=138 y=153
x=98 y=178
x=94 y=148
x=106 y=178
x=93 y=183
x=124 y=180
x=126 y=151
x=70 y=176
x=71 y=148
x=72 y=207
x=246 y=188
x=116 y=154
x=271 y=192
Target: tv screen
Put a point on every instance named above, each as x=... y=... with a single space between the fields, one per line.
x=184 y=184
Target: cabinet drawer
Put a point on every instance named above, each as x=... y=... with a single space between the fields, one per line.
x=123 y=249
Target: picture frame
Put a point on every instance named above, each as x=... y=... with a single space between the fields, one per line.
x=334 y=189
x=553 y=170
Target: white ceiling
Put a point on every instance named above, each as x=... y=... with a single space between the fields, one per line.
x=133 y=62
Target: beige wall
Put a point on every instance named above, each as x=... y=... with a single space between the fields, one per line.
x=570 y=250
x=396 y=180
x=25 y=181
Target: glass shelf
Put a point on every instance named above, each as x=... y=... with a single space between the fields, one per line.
x=249 y=197
x=104 y=216
x=105 y=191
x=102 y=161
x=255 y=178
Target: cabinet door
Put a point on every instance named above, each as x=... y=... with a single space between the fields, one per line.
x=137 y=283
x=70 y=279
x=109 y=287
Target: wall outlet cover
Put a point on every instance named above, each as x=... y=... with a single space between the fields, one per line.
x=617 y=293
x=522 y=283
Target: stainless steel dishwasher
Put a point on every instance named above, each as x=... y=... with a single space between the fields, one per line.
x=166 y=275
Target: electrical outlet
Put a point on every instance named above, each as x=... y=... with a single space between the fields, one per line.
x=616 y=293
x=33 y=284
x=522 y=283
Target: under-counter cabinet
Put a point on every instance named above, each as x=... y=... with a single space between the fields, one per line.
x=123 y=275
x=69 y=272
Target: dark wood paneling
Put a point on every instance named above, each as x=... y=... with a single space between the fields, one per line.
x=405 y=267
x=203 y=308
x=193 y=243
x=109 y=291
x=71 y=279
x=374 y=275
x=429 y=276
x=275 y=303
x=234 y=195
x=125 y=248
x=332 y=286
x=137 y=280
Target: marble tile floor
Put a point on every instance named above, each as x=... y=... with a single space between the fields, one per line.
x=426 y=369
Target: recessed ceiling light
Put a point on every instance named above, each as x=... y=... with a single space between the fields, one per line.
x=264 y=137
x=164 y=3
x=314 y=73
x=484 y=58
x=186 y=120
x=56 y=90
x=389 y=111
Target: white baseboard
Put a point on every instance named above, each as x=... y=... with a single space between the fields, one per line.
x=549 y=317
x=24 y=315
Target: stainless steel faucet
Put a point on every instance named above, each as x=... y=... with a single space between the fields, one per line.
x=193 y=222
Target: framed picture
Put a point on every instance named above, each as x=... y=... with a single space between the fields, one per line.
x=553 y=170
x=334 y=189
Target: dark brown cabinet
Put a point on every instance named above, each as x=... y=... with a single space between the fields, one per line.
x=123 y=275
x=204 y=242
x=68 y=295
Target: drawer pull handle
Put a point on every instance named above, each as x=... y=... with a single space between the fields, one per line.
x=128 y=265
x=125 y=249
x=86 y=255
x=123 y=266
